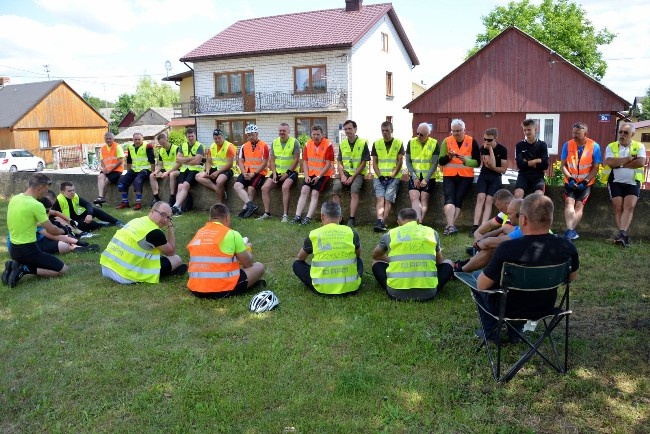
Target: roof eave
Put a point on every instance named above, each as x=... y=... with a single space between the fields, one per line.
x=195 y=59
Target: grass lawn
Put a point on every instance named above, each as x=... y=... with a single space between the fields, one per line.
x=83 y=354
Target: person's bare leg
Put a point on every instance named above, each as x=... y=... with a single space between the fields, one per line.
x=254 y=273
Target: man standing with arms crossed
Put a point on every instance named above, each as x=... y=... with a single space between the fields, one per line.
x=387 y=156
x=580 y=162
x=112 y=165
x=284 y=157
x=352 y=161
x=218 y=165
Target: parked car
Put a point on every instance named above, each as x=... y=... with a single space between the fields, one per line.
x=17 y=160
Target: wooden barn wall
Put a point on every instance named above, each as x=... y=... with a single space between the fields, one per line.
x=516 y=74
x=62 y=109
x=6 y=139
x=510 y=131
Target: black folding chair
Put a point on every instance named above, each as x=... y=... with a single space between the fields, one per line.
x=516 y=282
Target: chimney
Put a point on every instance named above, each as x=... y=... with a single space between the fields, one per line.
x=353 y=5
x=4 y=81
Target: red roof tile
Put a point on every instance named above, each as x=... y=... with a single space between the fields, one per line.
x=332 y=28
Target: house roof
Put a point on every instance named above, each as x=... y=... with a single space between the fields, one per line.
x=179 y=77
x=147 y=131
x=106 y=113
x=641 y=124
x=16 y=100
x=335 y=28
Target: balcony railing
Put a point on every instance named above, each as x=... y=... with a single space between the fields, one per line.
x=261 y=102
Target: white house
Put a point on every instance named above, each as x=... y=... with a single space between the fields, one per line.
x=319 y=67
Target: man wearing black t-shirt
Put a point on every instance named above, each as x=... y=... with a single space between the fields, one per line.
x=531 y=156
x=537 y=248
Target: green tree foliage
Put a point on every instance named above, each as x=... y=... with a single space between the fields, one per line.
x=151 y=94
x=561 y=25
x=644 y=115
x=122 y=107
x=177 y=137
x=97 y=103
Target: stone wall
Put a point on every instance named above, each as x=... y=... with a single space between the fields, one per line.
x=598 y=220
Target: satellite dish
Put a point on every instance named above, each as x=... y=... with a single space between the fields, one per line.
x=168 y=66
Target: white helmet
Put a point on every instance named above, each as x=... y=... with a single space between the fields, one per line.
x=251 y=128
x=263 y=302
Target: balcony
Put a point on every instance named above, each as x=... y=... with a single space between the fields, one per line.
x=260 y=102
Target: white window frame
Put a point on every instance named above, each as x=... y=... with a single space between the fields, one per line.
x=544 y=135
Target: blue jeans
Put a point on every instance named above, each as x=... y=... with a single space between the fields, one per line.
x=488 y=322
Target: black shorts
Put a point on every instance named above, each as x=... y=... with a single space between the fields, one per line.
x=320 y=184
x=428 y=189
x=530 y=184
x=240 y=287
x=47 y=245
x=618 y=189
x=455 y=189
x=113 y=177
x=577 y=195
x=136 y=178
x=256 y=182
x=292 y=175
x=488 y=184
x=227 y=173
x=188 y=176
x=33 y=257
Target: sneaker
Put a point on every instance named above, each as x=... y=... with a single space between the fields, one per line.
x=625 y=241
x=265 y=216
x=123 y=205
x=172 y=200
x=153 y=202
x=119 y=224
x=17 y=272
x=7 y=272
x=85 y=235
x=471 y=250
x=285 y=218
x=571 y=234
x=260 y=284
x=446 y=231
x=242 y=213
x=176 y=211
x=180 y=270
x=351 y=222
x=380 y=226
x=82 y=243
x=137 y=207
x=452 y=230
x=296 y=220
x=458 y=265
x=305 y=221
x=250 y=209
x=86 y=249
x=99 y=201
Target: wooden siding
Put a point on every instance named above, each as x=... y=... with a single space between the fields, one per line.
x=517 y=74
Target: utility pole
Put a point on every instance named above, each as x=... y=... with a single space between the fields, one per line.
x=47 y=69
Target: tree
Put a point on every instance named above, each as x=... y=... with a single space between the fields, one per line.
x=122 y=107
x=97 y=103
x=559 y=24
x=149 y=94
x=644 y=115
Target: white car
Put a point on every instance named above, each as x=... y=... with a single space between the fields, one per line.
x=16 y=160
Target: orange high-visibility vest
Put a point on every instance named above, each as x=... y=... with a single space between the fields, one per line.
x=316 y=157
x=253 y=159
x=109 y=156
x=210 y=269
x=455 y=165
x=579 y=168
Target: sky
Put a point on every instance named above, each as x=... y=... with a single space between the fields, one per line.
x=105 y=46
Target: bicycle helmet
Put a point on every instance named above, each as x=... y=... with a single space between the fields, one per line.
x=263 y=302
x=251 y=128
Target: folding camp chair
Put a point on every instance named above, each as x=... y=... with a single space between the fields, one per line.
x=516 y=281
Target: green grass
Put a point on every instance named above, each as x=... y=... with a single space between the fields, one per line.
x=81 y=354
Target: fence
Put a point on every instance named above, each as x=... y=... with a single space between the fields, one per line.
x=66 y=157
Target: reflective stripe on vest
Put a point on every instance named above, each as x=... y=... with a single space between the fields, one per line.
x=334 y=266
x=63 y=204
x=316 y=157
x=408 y=270
x=455 y=166
x=634 y=150
x=283 y=155
x=138 y=156
x=191 y=153
x=109 y=156
x=218 y=156
x=210 y=269
x=253 y=158
x=351 y=157
x=126 y=257
x=168 y=157
x=579 y=168
x=387 y=159
x=421 y=156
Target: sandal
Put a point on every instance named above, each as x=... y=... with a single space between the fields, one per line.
x=99 y=200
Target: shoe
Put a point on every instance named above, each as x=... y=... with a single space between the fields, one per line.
x=458 y=265
x=351 y=222
x=180 y=270
x=85 y=235
x=471 y=250
x=123 y=205
x=99 y=201
x=172 y=200
x=296 y=220
x=82 y=243
x=260 y=284
x=625 y=241
x=86 y=248
x=265 y=216
x=241 y=213
x=305 y=221
x=471 y=233
x=285 y=218
x=176 y=211
x=452 y=230
x=250 y=209
x=7 y=272
x=103 y=224
x=137 y=207
x=571 y=234
x=380 y=226
x=17 y=272
x=119 y=224
x=153 y=202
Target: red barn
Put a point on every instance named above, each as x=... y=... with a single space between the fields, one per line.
x=512 y=78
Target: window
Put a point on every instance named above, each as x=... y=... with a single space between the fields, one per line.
x=234 y=130
x=389 y=84
x=44 y=139
x=645 y=137
x=228 y=84
x=384 y=42
x=548 y=130
x=310 y=79
x=303 y=125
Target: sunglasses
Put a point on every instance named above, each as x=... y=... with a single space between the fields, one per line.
x=625 y=133
x=422 y=135
x=488 y=140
